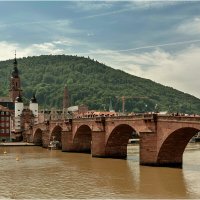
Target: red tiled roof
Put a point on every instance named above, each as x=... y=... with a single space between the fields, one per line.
x=2 y=108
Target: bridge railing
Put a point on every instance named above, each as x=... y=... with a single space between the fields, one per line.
x=119 y=117
x=192 y=118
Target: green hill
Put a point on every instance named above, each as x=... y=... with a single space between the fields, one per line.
x=92 y=83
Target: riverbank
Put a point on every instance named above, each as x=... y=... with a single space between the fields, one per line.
x=16 y=144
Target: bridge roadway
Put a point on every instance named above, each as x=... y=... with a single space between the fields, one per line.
x=163 y=138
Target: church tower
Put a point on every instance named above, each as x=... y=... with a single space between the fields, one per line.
x=15 y=85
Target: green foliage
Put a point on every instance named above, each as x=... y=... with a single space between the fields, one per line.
x=92 y=83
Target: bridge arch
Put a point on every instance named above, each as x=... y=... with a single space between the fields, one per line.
x=116 y=144
x=37 y=138
x=56 y=135
x=82 y=139
x=172 y=148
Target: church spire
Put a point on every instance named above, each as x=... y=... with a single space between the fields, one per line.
x=15 y=60
x=33 y=99
x=15 y=85
x=15 y=72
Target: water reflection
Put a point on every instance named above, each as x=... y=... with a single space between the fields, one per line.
x=191 y=169
x=41 y=173
x=162 y=183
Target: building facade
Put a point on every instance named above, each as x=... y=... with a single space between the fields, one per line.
x=5 y=124
x=12 y=107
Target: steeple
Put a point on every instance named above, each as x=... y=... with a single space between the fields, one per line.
x=33 y=106
x=33 y=99
x=15 y=85
x=15 y=72
x=15 y=60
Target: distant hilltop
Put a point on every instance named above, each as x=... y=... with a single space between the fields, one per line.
x=93 y=84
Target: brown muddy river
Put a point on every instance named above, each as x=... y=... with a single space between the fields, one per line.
x=35 y=172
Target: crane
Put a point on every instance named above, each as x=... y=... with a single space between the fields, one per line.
x=123 y=98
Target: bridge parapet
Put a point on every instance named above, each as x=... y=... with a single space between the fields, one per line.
x=42 y=126
x=128 y=117
x=179 y=118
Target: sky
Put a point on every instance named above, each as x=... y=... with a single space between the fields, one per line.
x=157 y=40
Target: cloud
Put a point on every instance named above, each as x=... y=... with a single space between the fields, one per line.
x=113 y=12
x=90 y=34
x=55 y=27
x=190 y=27
x=8 y=49
x=150 y=4
x=67 y=42
x=54 y=22
x=93 y=5
x=180 y=70
x=136 y=4
x=31 y=50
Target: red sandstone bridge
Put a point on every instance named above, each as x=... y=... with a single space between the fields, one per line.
x=162 y=138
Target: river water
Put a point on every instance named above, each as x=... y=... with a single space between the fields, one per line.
x=35 y=172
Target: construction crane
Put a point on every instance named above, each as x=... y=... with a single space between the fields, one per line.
x=123 y=98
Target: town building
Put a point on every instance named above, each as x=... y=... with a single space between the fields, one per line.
x=17 y=117
x=5 y=124
x=20 y=116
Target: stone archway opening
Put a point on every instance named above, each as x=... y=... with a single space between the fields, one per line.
x=82 y=139
x=37 y=138
x=56 y=136
x=172 y=149
x=116 y=146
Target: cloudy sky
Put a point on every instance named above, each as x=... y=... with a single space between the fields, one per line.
x=158 y=40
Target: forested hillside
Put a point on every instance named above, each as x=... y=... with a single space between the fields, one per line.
x=92 y=83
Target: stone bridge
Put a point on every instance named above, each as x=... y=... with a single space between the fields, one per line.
x=163 y=138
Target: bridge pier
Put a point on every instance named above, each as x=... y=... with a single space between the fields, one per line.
x=45 y=138
x=67 y=141
x=98 y=144
x=148 y=148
